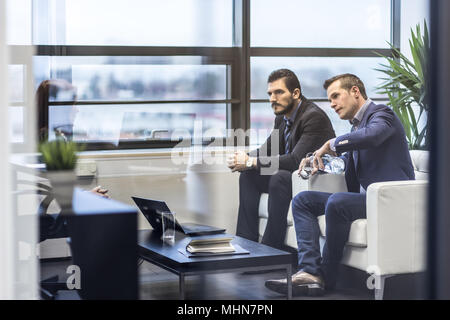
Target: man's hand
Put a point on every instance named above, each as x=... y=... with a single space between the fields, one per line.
x=304 y=163
x=100 y=192
x=317 y=160
x=238 y=161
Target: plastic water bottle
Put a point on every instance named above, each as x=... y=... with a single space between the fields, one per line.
x=306 y=171
x=333 y=165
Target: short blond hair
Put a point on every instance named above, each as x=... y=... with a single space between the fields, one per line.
x=348 y=81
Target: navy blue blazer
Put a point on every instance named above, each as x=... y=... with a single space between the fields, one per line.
x=377 y=151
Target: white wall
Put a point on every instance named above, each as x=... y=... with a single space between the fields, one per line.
x=200 y=193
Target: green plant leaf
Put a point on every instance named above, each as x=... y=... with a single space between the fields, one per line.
x=404 y=82
x=59 y=154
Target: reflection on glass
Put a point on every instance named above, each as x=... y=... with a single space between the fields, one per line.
x=340 y=126
x=137 y=22
x=136 y=78
x=313 y=71
x=149 y=82
x=262 y=118
x=16 y=124
x=320 y=23
x=18 y=22
x=15 y=83
x=114 y=123
x=48 y=91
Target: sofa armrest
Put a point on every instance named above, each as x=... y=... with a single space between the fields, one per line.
x=298 y=184
x=320 y=182
x=396 y=220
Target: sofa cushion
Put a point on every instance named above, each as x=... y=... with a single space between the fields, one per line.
x=263 y=205
x=358 y=232
x=263 y=209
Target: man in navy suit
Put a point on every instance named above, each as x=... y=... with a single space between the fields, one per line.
x=375 y=150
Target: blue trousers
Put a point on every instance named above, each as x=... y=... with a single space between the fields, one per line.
x=340 y=210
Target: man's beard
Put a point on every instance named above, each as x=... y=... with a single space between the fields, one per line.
x=288 y=108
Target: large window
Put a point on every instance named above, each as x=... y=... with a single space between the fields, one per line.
x=134 y=22
x=313 y=71
x=121 y=99
x=147 y=72
x=136 y=78
x=317 y=40
x=320 y=23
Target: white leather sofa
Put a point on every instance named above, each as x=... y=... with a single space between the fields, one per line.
x=392 y=239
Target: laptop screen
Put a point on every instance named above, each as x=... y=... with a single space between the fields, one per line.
x=151 y=209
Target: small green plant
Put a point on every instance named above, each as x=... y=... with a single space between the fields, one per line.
x=59 y=154
x=406 y=86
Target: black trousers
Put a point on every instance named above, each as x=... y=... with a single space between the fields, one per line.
x=279 y=187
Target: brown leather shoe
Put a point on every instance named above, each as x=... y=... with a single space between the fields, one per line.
x=303 y=284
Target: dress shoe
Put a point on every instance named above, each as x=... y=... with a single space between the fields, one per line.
x=303 y=284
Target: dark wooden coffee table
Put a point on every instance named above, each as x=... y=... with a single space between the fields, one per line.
x=167 y=256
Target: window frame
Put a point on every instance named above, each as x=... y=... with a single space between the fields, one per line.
x=236 y=59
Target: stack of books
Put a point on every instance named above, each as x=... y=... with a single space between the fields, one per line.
x=211 y=245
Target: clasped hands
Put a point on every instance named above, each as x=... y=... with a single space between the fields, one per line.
x=317 y=163
x=238 y=161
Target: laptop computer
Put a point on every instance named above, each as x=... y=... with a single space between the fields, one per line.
x=151 y=209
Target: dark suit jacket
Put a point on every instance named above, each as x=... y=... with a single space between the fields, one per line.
x=310 y=130
x=377 y=151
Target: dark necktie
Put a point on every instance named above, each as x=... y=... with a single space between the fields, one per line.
x=287 y=133
x=355 y=124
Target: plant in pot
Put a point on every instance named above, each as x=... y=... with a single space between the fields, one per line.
x=60 y=158
x=406 y=87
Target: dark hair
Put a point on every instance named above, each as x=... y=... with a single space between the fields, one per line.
x=290 y=79
x=348 y=80
x=49 y=89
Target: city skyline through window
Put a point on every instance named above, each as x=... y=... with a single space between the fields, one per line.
x=190 y=86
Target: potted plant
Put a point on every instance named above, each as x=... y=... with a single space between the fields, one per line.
x=60 y=158
x=406 y=87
